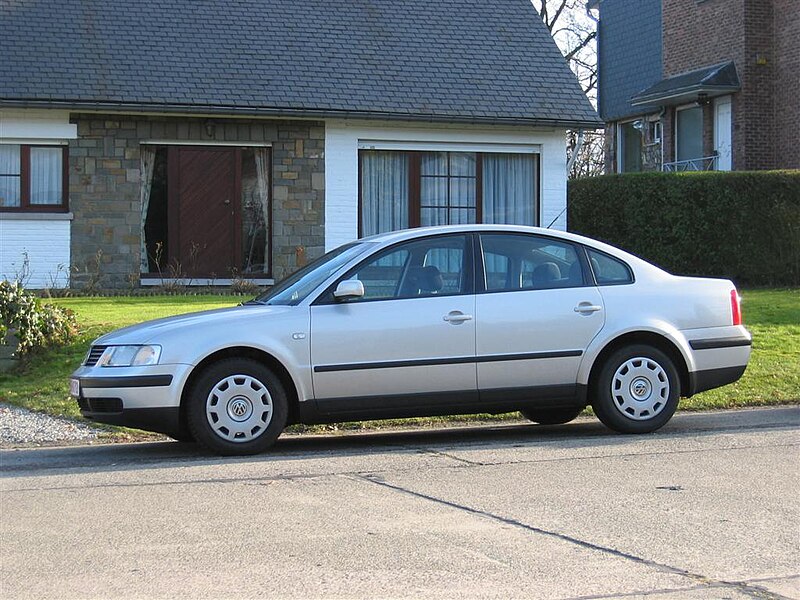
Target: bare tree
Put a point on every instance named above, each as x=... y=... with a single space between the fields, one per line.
x=574 y=28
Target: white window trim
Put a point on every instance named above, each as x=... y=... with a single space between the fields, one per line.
x=34 y=141
x=205 y=143
x=345 y=137
x=449 y=147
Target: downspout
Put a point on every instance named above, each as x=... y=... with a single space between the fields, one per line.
x=570 y=162
x=574 y=157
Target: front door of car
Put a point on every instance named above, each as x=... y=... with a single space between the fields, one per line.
x=536 y=317
x=408 y=342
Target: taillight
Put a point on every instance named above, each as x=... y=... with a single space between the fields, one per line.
x=736 y=307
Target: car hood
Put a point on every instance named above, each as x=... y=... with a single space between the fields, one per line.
x=150 y=331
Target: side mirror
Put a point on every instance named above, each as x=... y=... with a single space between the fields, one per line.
x=352 y=288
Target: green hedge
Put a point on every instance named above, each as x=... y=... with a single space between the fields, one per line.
x=743 y=226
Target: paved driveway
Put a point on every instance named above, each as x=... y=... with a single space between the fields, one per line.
x=706 y=508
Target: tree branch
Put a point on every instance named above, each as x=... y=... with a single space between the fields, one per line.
x=585 y=42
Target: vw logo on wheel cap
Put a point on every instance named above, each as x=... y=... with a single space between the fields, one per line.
x=240 y=408
x=640 y=388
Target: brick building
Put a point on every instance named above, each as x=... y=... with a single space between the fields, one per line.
x=144 y=143
x=699 y=84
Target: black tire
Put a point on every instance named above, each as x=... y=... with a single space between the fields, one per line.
x=183 y=437
x=247 y=412
x=637 y=390
x=552 y=416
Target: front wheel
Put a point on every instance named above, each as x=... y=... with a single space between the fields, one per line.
x=637 y=390
x=236 y=407
x=551 y=416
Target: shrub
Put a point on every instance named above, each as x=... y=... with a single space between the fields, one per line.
x=743 y=226
x=33 y=323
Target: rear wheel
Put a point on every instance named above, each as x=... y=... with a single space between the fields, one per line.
x=637 y=390
x=237 y=406
x=551 y=416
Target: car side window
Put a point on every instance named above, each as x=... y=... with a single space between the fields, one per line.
x=609 y=270
x=527 y=262
x=433 y=266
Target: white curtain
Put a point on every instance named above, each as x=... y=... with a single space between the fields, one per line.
x=384 y=191
x=46 y=175
x=9 y=175
x=147 y=162
x=509 y=189
x=262 y=174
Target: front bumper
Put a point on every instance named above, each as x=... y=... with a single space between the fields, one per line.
x=146 y=398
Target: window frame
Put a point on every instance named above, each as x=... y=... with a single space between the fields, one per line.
x=415 y=184
x=620 y=143
x=470 y=273
x=595 y=282
x=480 y=269
x=25 y=205
x=676 y=137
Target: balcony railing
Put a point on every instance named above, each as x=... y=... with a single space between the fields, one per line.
x=707 y=163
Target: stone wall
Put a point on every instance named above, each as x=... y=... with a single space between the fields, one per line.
x=104 y=189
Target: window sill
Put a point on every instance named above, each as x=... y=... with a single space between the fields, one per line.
x=150 y=281
x=35 y=216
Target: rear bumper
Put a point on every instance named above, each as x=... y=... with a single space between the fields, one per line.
x=700 y=381
x=719 y=356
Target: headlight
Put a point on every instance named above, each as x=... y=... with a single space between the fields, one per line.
x=129 y=356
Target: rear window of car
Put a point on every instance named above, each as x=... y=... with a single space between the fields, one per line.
x=609 y=270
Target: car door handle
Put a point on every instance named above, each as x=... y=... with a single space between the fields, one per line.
x=457 y=317
x=586 y=308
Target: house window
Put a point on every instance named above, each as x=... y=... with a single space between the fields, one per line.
x=689 y=133
x=400 y=189
x=448 y=188
x=33 y=178
x=630 y=147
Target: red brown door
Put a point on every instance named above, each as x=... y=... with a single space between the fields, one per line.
x=204 y=212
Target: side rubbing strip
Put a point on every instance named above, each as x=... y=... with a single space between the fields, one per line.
x=715 y=343
x=126 y=382
x=458 y=360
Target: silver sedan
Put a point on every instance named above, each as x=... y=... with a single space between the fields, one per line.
x=446 y=320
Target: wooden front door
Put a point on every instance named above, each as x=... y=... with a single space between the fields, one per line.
x=204 y=210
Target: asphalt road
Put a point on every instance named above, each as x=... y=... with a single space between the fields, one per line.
x=706 y=508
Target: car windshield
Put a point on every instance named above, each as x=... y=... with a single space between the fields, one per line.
x=294 y=289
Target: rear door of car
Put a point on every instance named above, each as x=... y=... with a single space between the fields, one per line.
x=537 y=310
x=409 y=343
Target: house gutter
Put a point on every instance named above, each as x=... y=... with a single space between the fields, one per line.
x=287 y=113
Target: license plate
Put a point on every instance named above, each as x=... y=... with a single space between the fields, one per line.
x=75 y=388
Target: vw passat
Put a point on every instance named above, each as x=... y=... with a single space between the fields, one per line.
x=446 y=320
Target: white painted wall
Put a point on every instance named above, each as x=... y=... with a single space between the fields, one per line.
x=35 y=126
x=35 y=250
x=342 y=138
x=35 y=247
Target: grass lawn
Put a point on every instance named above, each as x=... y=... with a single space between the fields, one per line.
x=773 y=376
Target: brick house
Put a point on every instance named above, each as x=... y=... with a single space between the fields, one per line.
x=699 y=84
x=144 y=142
